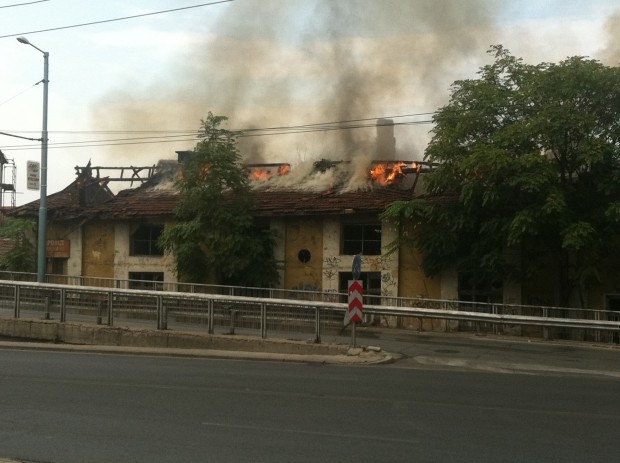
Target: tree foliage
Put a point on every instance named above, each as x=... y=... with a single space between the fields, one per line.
x=21 y=255
x=529 y=159
x=215 y=233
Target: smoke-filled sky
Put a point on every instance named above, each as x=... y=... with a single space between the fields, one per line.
x=131 y=92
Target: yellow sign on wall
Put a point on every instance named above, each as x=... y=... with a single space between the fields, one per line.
x=58 y=249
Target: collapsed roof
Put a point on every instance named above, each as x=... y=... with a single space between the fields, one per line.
x=324 y=188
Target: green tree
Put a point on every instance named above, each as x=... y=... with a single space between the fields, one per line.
x=21 y=255
x=528 y=165
x=215 y=233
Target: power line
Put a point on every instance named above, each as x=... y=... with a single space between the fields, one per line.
x=167 y=136
x=315 y=124
x=22 y=4
x=115 y=19
x=18 y=94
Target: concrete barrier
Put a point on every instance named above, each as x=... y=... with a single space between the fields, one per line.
x=85 y=334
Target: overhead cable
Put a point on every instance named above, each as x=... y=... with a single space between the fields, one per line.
x=179 y=135
x=115 y=19
x=22 y=4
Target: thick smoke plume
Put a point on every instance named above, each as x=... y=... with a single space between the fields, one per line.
x=611 y=55
x=279 y=63
x=274 y=63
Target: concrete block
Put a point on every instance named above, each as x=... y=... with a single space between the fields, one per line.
x=190 y=341
x=106 y=336
x=143 y=338
x=75 y=334
x=90 y=334
x=43 y=330
x=22 y=329
x=8 y=326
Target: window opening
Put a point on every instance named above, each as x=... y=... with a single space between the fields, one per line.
x=144 y=241
x=152 y=281
x=361 y=239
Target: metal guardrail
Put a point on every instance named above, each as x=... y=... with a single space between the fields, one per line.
x=278 y=318
x=318 y=296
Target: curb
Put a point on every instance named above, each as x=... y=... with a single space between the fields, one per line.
x=362 y=357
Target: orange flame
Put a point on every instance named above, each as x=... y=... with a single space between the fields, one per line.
x=262 y=173
x=387 y=173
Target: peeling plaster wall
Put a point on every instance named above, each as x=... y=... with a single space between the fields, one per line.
x=449 y=285
x=413 y=281
x=73 y=233
x=124 y=263
x=334 y=262
x=98 y=249
x=388 y=264
x=303 y=234
x=278 y=228
x=74 y=264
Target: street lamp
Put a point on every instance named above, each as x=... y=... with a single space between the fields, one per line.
x=41 y=239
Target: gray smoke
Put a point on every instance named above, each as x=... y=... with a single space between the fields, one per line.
x=611 y=54
x=274 y=63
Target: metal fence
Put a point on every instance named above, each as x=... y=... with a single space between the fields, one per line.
x=289 y=318
x=115 y=283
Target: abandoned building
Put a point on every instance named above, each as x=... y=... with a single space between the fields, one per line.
x=322 y=214
x=319 y=227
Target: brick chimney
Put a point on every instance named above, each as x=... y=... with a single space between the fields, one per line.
x=386 y=143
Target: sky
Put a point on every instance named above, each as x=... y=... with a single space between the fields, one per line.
x=131 y=92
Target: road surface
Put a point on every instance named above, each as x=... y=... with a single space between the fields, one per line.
x=84 y=407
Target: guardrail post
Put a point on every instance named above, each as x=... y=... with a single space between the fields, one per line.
x=99 y=312
x=545 y=328
x=210 y=321
x=110 y=308
x=17 y=301
x=317 y=325
x=263 y=320
x=233 y=318
x=46 y=315
x=162 y=314
x=63 y=305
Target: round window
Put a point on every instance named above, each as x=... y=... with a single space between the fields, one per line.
x=304 y=256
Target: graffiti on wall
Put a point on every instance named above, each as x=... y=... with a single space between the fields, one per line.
x=376 y=263
x=306 y=287
x=384 y=264
x=388 y=284
x=333 y=261
x=330 y=274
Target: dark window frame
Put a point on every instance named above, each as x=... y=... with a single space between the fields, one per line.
x=360 y=238
x=484 y=292
x=146 y=280
x=144 y=240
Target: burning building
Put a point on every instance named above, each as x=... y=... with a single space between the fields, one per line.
x=320 y=215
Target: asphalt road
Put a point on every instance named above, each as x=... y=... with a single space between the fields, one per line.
x=83 y=407
x=495 y=353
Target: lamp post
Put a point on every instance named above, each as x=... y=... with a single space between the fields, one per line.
x=41 y=239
